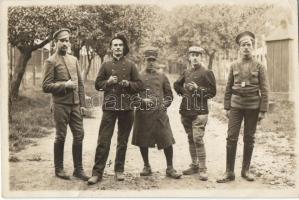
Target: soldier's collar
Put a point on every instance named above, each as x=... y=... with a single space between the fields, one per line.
x=153 y=70
x=247 y=58
x=117 y=58
x=195 y=68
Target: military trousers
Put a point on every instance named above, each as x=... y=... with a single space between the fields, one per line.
x=195 y=128
x=68 y=114
x=125 y=122
x=236 y=117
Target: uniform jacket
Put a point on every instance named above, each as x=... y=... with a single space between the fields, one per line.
x=196 y=102
x=151 y=125
x=117 y=97
x=247 y=86
x=59 y=69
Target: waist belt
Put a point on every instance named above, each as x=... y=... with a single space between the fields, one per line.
x=248 y=94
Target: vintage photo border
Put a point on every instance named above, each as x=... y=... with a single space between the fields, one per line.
x=4 y=127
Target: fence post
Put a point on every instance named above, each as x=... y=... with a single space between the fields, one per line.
x=42 y=58
x=34 y=74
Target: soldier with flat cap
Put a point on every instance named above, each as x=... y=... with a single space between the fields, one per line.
x=246 y=97
x=62 y=78
x=151 y=125
x=196 y=85
x=119 y=79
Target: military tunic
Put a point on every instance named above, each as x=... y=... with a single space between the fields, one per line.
x=117 y=97
x=192 y=102
x=151 y=125
x=247 y=86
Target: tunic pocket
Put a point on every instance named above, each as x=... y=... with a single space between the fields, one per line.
x=254 y=78
x=61 y=72
x=237 y=78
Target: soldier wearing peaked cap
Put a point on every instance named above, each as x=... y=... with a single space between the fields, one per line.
x=151 y=125
x=246 y=98
x=62 y=78
x=196 y=85
x=119 y=79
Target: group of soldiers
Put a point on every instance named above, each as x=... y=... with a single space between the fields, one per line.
x=246 y=97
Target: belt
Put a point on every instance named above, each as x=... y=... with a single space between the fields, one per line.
x=248 y=94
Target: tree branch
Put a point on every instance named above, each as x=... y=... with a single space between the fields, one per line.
x=42 y=44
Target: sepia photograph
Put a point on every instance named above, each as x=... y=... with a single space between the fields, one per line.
x=149 y=98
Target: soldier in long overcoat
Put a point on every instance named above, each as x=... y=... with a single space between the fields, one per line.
x=151 y=125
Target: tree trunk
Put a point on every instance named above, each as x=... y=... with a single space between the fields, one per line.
x=77 y=53
x=90 y=57
x=20 y=68
x=87 y=71
x=211 y=59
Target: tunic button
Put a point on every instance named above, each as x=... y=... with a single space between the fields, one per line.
x=124 y=75
x=124 y=69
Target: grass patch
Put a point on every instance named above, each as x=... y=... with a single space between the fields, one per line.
x=30 y=118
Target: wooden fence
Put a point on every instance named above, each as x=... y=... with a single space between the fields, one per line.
x=34 y=70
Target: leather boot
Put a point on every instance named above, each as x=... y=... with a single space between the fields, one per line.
x=58 y=161
x=229 y=175
x=77 y=158
x=147 y=171
x=247 y=154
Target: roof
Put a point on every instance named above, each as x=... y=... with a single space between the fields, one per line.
x=280 y=33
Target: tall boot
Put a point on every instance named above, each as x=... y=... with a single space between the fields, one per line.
x=247 y=154
x=77 y=158
x=229 y=175
x=58 y=160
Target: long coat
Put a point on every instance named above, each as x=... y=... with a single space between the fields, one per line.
x=151 y=124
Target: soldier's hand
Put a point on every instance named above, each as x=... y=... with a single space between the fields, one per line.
x=227 y=113
x=194 y=85
x=112 y=80
x=188 y=86
x=125 y=83
x=82 y=110
x=71 y=84
x=261 y=116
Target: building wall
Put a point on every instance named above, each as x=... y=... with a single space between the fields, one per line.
x=278 y=65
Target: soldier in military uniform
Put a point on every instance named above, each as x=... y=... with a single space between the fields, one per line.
x=62 y=78
x=246 y=97
x=196 y=85
x=151 y=125
x=119 y=79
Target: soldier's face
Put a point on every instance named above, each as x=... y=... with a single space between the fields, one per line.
x=63 y=44
x=117 y=47
x=150 y=63
x=194 y=58
x=246 y=47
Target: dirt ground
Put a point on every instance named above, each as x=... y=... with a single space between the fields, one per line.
x=273 y=161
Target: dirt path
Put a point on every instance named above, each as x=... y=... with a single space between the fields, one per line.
x=273 y=162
